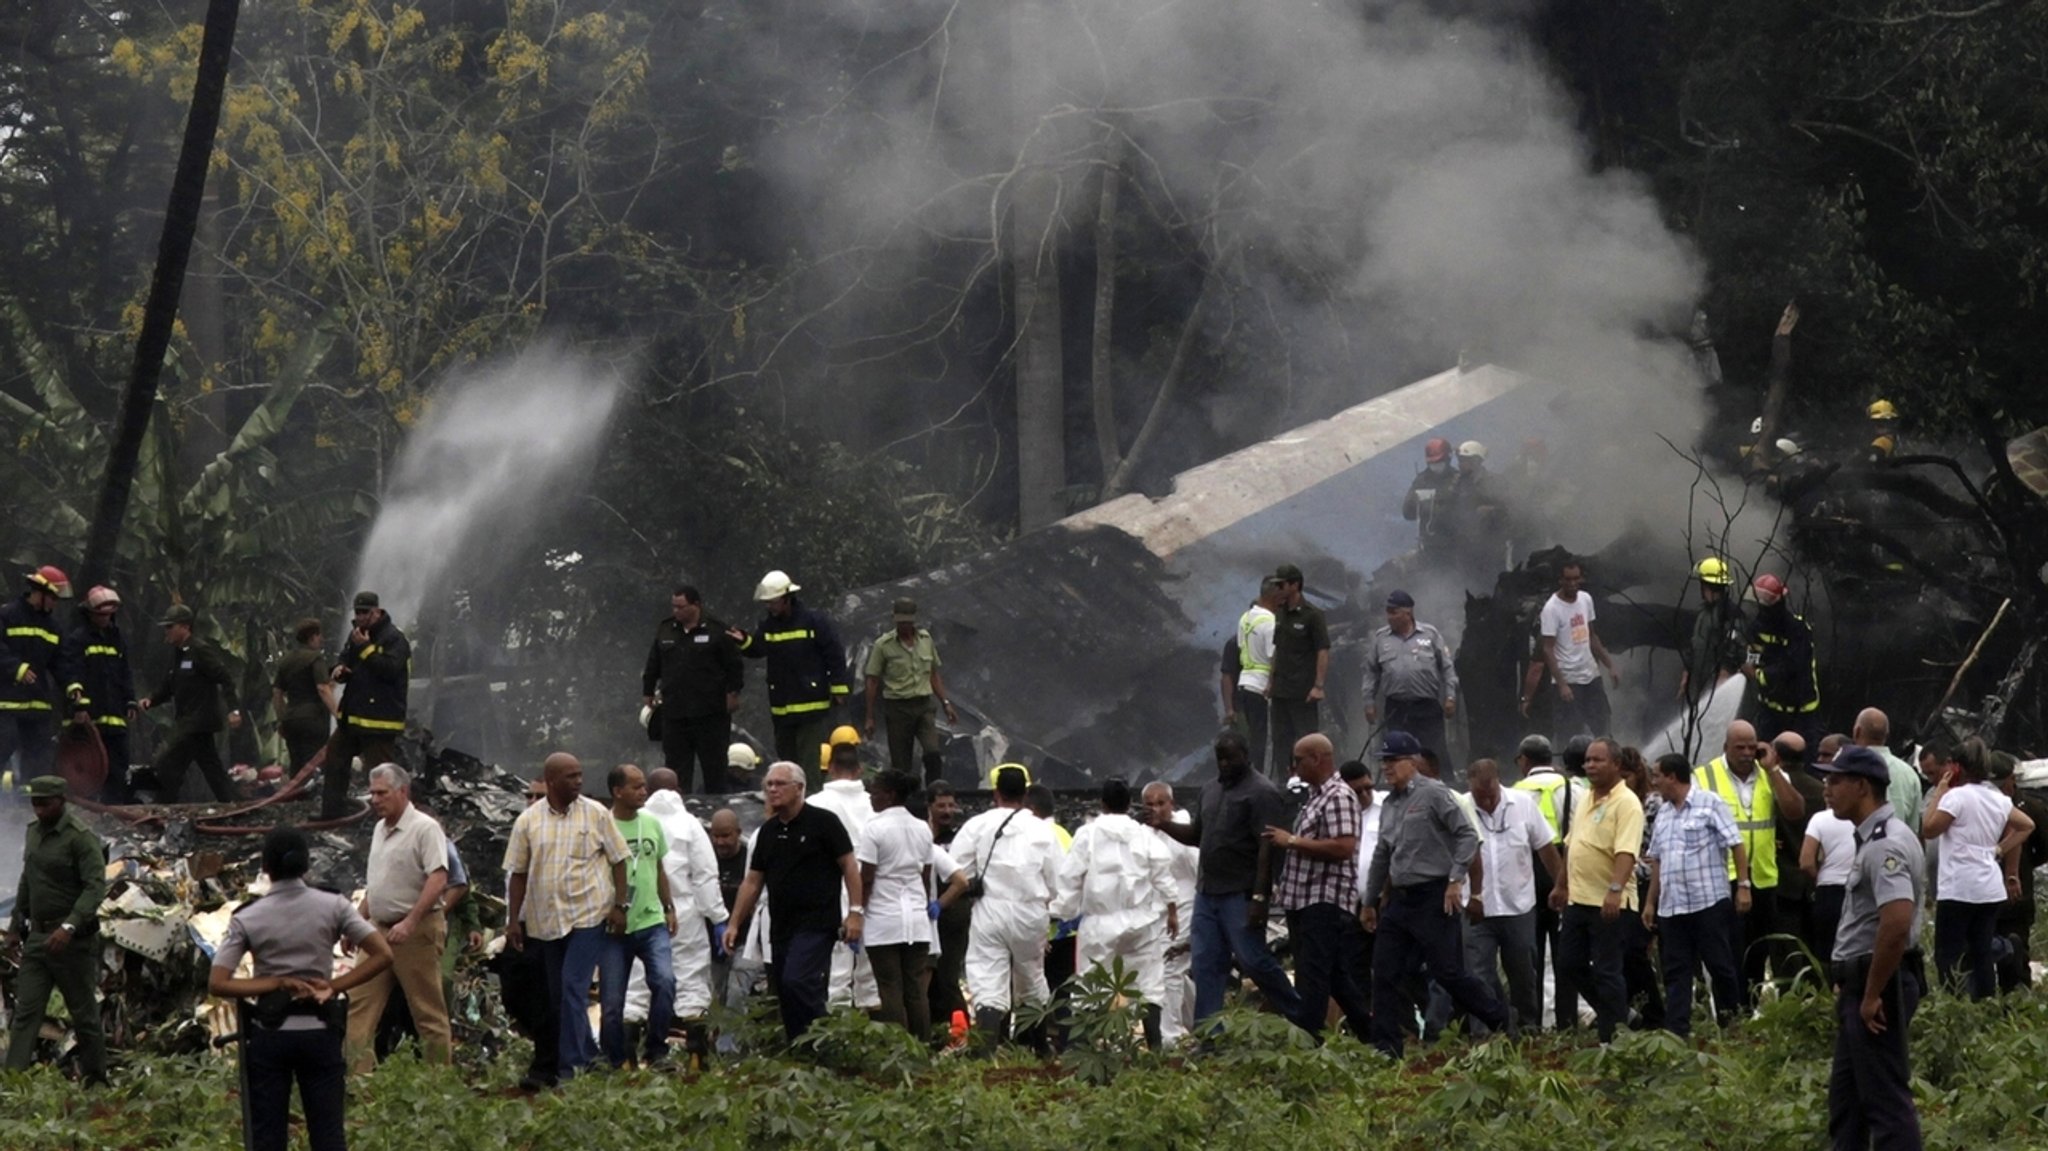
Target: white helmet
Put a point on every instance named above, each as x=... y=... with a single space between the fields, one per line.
x=1787 y=448
x=1472 y=449
x=774 y=585
x=742 y=756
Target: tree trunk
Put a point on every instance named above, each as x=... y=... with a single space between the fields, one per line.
x=1176 y=371
x=205 y=430
x=1041 y=381
x=1102 y=383
x=160 y=312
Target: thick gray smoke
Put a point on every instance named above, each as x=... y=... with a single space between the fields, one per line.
x=1421 y=164
x=501 y=448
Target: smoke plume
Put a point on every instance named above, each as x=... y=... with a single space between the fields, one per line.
x=502 y=448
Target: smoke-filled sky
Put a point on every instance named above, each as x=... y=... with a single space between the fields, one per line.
x=1423 y=162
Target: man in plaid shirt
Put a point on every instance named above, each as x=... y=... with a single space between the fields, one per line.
x=1688 y=900
x=1319 y=886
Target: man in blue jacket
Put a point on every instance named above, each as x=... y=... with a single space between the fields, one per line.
x=807 y=674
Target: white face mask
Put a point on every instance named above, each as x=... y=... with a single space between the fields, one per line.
x=1440 y=467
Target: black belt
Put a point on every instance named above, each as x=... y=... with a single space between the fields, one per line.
x=1422 y=885
x=1849 y=973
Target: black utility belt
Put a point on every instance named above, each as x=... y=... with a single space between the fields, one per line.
x=269 y=1011
x=1851 y=973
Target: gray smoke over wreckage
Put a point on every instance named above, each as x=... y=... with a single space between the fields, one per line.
x=502 y=447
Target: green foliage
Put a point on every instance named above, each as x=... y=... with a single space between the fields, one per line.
x=856 y=1085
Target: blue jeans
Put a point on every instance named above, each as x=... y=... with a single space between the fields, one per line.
x=649 y=945
x=571 y=961
x=1221 y=935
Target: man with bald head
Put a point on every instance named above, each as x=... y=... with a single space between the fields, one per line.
x=567 y=866
x=1874 y=730
x=1758 y=796
x=1178 y=1009
x=1318 y=887
x=733 y=976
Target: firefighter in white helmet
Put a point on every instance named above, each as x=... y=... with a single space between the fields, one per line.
x=807 y=673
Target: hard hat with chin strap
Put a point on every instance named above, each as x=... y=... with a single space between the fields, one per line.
x=1437 y=450
x=1714 y=570
x=51 y=579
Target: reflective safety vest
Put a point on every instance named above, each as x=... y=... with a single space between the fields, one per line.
x=28 y=646
x=1246 y=625
x=1757 y=822
x=1553 y=792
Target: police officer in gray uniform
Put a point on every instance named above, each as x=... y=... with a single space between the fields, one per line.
x=293 y=1028
x=1879 y=973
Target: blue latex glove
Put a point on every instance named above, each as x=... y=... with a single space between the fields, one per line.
x=1069 y=927
x=717 y=940
x=932 y=909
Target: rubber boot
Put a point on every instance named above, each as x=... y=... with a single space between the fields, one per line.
x=990 y=1025
x=1154 y=1017
x=634 y=1032
x=934 y=767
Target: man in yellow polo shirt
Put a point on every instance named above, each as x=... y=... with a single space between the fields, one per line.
x=1598 y=886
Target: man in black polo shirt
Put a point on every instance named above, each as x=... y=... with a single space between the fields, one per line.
x=1301 y=662
x=801 y=854
x=1236 y=881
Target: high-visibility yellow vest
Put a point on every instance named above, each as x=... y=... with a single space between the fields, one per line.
x=1758 y=822
x=1546 y=788
x=1246 y=625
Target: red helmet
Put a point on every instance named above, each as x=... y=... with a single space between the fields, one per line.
x=52 y=580
x=1437 y=450
x=1769 y=588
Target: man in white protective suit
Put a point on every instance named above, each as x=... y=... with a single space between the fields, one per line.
x=1010 y=855
x=1118 y=877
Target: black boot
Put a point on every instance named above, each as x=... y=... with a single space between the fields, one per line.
x=1154 y=1029
x=934 y=767
x=633 y=1034
x=697 y=1045
x=990 y=1026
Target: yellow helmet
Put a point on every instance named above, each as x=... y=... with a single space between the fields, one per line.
x=845 y=733
x=1714 y=570
x=1882 y=410
x=998 y=767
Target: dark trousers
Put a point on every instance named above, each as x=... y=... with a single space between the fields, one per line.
x=798 y=977
x=1291 y=719
x=1589 y=949
x=1870 y=1087
x=1755 y=926
x=32 y=733
x=1964 y=931
x=1414 y=933
x=913 y=726
x=800 y=739
x=944 y=995
x=899 y=982
x=115 y=789
x=1588 y=712
x=76 y=976
x=1222 y=934
x=1823 y=917
x=1547 y=924
x=273 y=1061
x=1258 y=732
x=1641 y=982
x=697 y=739
x=523 y=984
x=1508 y=943
x=185 y=750
x=1423 y=719
x=1689 y=942
x=302 y=741
x=373 y=745
x=1319 y=939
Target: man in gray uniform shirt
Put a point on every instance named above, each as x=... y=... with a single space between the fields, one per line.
x=1411 y=896
x=291 y=1031
x=1411 y=665
x=1878 y=970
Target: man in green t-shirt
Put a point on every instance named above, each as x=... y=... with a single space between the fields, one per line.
x=650 y=923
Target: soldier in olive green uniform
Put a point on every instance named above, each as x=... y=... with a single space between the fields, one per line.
x=63 y=879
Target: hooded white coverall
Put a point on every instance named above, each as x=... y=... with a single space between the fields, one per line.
x=1118 y=878
x=852 y=980
x=1019 y=869
x=692 y=868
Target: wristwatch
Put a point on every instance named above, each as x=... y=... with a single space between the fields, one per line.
x=1742 y=883
x=1614 y=889
x=67 y=929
